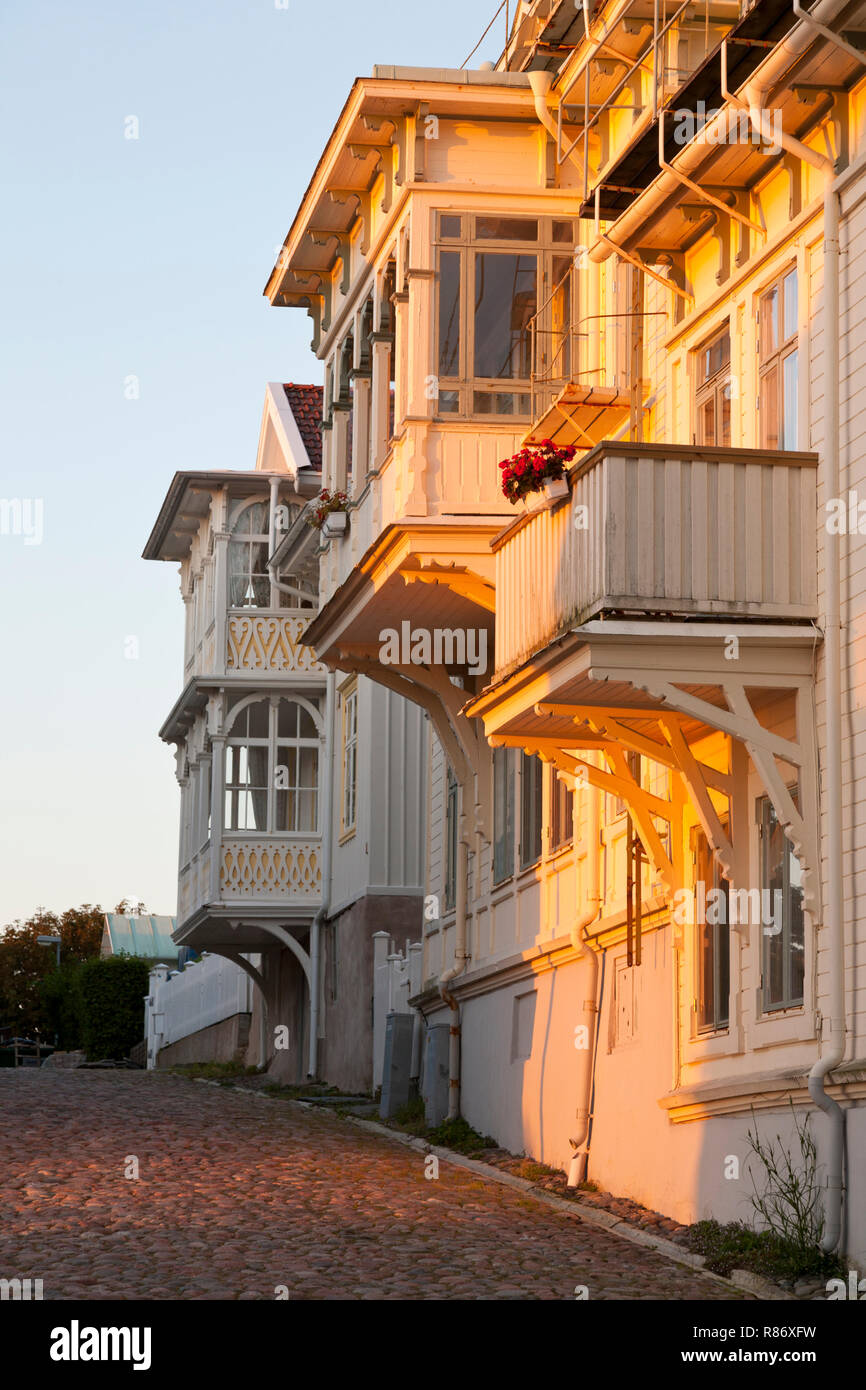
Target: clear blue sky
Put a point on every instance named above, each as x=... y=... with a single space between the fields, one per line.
x=142 y=258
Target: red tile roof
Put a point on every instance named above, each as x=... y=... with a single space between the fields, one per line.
x=305 y=403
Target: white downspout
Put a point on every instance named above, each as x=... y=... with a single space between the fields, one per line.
x=460 y=960
x=321 y=915
x=541 y=82
x=580 y=940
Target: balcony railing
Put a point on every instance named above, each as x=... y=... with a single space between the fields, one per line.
x=658 y=530
x=269 y=868
x=260 y=639
x=253 y=869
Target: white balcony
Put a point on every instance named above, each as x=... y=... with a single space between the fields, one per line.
x=664 y=532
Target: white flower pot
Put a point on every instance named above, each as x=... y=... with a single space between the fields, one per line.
x=555 y=488
x=335 y=524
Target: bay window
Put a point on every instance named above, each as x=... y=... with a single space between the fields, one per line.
x=272 y=769
x=491 y=273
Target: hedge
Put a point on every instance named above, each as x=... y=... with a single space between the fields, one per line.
x=111 y=992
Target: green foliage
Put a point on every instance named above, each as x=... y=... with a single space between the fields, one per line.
x=112 y=993
x=213 y=1071
x=60 y=997
x=25 y=965
x=738 y=1246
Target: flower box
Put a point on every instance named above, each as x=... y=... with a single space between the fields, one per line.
x=537 y=468
x=335 y=524
x=554 y=488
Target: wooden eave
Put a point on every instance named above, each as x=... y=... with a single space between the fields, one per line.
x=383 y=100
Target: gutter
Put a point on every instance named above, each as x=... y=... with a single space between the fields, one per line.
x=322 y=914
x=591 y=1004
x=461 y=959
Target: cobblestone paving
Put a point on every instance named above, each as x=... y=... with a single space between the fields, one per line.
x=238 y=1195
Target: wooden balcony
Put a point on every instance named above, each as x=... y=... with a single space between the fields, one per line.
x=661 y=531
x=264 y=640
x=253 y=870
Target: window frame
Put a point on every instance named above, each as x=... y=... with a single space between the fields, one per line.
x=348 y=755
x=561 y=815
x=531 y=810
x=467 y=247
x=712 y=389
x=766 y=810
x=452 y=811
x=774 y=361
x=720 y=1021
x=504 y=805
x=271 y=743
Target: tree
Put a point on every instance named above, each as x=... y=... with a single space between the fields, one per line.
x=24 y=964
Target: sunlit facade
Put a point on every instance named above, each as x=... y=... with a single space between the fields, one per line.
x=638 y=238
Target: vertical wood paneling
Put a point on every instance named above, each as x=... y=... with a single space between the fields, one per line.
x=675 y=534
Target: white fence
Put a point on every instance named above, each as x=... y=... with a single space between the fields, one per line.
x=183 y=1002
x=396 y=979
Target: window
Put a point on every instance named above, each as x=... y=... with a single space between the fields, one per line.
x=503 y=814
x=713 y=391
x=348 y=811
x=249 y=581
x=561 y=812
x=712 y=940
x=451 y=812
x=491 y=270
x=272 y=770
x=531 y=781
x=778 y=363
x=783 y=933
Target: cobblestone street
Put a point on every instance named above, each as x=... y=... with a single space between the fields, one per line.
x=238 y=1195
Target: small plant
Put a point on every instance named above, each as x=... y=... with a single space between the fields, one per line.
x=788 y=1200
x=325 y=503
x=528 y=470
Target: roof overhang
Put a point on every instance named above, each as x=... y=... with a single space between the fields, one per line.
x=374 y=115
x=451 y=566
x=187 y=503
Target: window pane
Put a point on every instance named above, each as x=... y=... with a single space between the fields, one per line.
x=501 y=403
x=724 y=438
x=450 y=226
x=708 y=421
x=563 y=231
x=769 y=322
x=503 y=814
x=449 y=313
x=713 y=357
x=789 y=293
x=774 y=949
x=505 y=289
x=532 y=770
x=789 y=401
x=770 y=409
x=506 y=228
x=448 y=402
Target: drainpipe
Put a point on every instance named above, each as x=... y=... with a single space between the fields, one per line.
x=322 y=914
x=460 y=961
x=581 y=942
x=541 y=82
x=755 y=91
